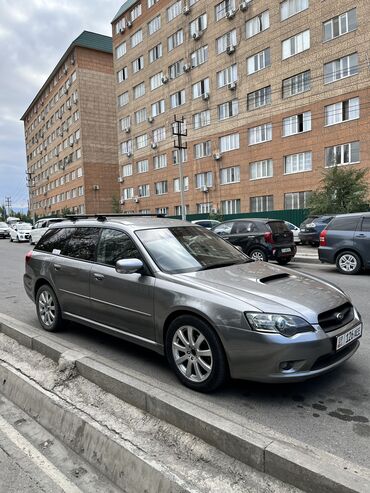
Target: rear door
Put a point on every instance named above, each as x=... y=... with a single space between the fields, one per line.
x=341 y=231
x=281 y=234
x=362 y=240
x=245 y=234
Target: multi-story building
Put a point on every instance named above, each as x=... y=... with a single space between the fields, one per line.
x=273 y=92
x=70 y=133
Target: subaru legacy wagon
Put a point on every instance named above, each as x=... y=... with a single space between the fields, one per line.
x=186 y=293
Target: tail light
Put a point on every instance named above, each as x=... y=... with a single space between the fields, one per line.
x=268 y=237
x=28 y=256
x=323 y=234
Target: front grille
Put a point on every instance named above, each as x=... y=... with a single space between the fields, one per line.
x=336 y=317
x=331 y=358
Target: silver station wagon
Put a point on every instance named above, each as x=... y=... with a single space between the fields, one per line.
x=188 y=294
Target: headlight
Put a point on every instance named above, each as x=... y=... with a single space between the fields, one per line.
x=286 y=325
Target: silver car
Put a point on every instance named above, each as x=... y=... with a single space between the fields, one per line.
x=182 y=291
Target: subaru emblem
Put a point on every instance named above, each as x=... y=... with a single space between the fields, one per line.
x=339 y=316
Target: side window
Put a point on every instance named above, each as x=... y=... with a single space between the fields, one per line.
x=54 y=239
x=82 y=244
x=366 y=224
x=345 y=223
x=115 y=245
x=224 y=228
x=244 y=227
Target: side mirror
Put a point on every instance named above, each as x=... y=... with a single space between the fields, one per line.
x=128 y=265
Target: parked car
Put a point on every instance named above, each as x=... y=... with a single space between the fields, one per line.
x=41 y=226
x=182 y=291
x=295 y=230
x=346 y=242
x=20 y=232
x=260 y=239
x=4 y=230
x=206 y=223
x=311 y=228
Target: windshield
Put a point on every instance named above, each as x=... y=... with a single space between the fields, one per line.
x=21 y=227
x=3 y=225
x=188 y=249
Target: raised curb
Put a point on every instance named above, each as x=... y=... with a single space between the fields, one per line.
x=303 y=466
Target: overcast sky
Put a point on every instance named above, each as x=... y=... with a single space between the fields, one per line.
x=34 y=34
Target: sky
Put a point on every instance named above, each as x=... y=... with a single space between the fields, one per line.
x=34 y=34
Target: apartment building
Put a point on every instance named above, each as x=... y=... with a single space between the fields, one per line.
x=70 y=133
x=273 y=92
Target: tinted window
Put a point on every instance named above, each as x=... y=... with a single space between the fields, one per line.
x=346 y=223
x=205 y=224
x=54 y=239
x=366 y=224
x=82 y=244
x=278 y=227
x=309 y=220
x=244 y=227
x=224 y=228
x=325 y=219
x=115 y=245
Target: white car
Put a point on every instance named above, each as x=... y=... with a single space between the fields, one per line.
x=41 y=226
x=20 y=232
x=4 y=230
x=295 y=230
x=206 y=223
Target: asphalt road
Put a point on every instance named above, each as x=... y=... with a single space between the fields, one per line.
x=331 y=412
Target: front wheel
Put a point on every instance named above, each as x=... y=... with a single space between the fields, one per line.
x=196 y=354
x=258 y=255
x=48 y=309
x=348 y=263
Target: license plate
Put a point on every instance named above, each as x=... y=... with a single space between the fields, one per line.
x=303 y=229
x=285 y=250
x=349 y=336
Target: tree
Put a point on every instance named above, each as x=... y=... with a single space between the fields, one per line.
x=115 y=204
x=342 y=190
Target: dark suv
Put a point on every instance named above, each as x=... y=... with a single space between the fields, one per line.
x=346 y=242
x=312 y=227
x=260 y=239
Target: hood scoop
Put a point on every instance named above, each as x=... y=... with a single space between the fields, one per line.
x=274 y=277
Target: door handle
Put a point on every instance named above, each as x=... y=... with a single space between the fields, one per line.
x=361 y=235
x=98 y=277
x=57 y=266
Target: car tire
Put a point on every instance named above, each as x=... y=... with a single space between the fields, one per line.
x=201 y=372
x=11 y=240
x=48 y=309
x=348 y=263
x=30 y=240
x=258 y=255
x=283 y=261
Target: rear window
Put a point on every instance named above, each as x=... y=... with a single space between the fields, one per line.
x=278 y=227
x=309 y=220
x=346 y=223
x=54 y=239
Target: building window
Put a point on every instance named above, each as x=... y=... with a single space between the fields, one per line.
x=143 y=190
x=343 y=111
x=226 y=41
x=176 y=69
x=296 y=200
x=227 y=76
x=158 y=107
x=297 y=124
x=138 y=64
x=122 y=74
x=228 y=109
x=178 y=210
x=230 y=175
x=341 y=68
x=125 y=123
x=292 y=7
x=230 y=206
x=154 y=25
x=135 y=12
x=296 y=44
x=140 y=116
x=174 y=11
x=339 y=25
x=228 y=142
x=201 y=119
x=160 y=161
x=222 y=8
x=155 y=53
x=257 y=24
x=203 y=149
x=200 y=88
x=298 y=163
x=159 y=134
x=127 y=170
x=342 y=154
x=262 y=133
x=261 y=169
x=204 y=179
x=126 y=147
x=262 y=203
x=176 y=156
x=142 y=166
x=161 y=210
x=198 y=25
x=151 y=3
x=204 y=208
x=176 y=39
x=199 y=56
x=156 y=81
x=139 y=90
x=141 y=141
x=176 y=184
x=120 y=25
x=161 y=187
x=259 y=98
x=258 y=62
x=128 y=193
x=136 y=38
x=121 y=50
x=297 y=84
x=177 y=99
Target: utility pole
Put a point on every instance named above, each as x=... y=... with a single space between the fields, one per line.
x=8 y=204
x=30 y=182
x=179 y=131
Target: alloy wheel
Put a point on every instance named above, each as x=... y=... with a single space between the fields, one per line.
x=347 y=262
x=47 y=308
x=258 y=256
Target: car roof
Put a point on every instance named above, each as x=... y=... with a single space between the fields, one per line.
x=354 y=214
x=258 y=219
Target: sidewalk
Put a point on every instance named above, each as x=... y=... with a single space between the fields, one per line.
x=307 y=254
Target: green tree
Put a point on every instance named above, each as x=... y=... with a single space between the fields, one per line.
x=115 y=204
x=342 y=190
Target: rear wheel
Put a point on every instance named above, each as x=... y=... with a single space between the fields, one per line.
x=348 y=263
x=48 y=309
x=258 y=255
x=196 y=354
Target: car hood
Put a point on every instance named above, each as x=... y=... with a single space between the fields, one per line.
x=270 y=288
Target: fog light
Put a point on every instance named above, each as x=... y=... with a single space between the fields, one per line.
x=285 y=366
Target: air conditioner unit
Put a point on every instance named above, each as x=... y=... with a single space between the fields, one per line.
x=136 y=200
x=205 y=96
x=187 y=67
x=127 y=130
x=75 y=100
x=230 y=49
x=204 y=189
x=71 y=144
x=96 y=187
x=73 y=61
x=121 y=179
x=230 y=14
x=129 y=154
x=244 y=6
x=217 y=156
x=151 y=119
x=122 y=30
x=61 y=134
x=65 y=71
x=232 y=86
x=186 y=10
x=154 y=145
x=129 y=24
x=197 y=35
x=57 y=154
x=164 y=79
x=122 y=202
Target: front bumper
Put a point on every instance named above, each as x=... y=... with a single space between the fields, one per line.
x=266 y=357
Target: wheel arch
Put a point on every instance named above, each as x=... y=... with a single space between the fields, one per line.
x=351 y=250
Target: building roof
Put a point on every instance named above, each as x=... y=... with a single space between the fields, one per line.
x=124 y=8
x=86 y=39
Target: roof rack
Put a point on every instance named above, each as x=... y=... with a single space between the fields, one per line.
x=104 y=217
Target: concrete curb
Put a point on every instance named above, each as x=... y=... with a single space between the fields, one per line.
x=293 y=462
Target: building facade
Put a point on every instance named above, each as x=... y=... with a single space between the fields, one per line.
x=273 y=93
x=70 y=133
